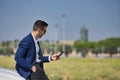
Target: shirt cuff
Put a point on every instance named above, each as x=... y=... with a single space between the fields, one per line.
x=49 y=58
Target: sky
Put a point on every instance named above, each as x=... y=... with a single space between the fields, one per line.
x=100 y=17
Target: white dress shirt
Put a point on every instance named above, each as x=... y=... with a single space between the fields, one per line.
x=37 y=50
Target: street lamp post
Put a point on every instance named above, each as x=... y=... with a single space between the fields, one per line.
x=64 y=21
x=55 y=40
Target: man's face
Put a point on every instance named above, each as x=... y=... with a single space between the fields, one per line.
x=42 y=31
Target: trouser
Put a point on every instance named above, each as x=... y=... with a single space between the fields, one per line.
x=39 y=74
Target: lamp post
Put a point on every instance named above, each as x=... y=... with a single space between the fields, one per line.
x=55 y=40
x=64 y=21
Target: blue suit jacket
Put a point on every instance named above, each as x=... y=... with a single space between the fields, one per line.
x=26 y=56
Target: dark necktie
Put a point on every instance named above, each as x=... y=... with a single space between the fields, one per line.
x=40 y=51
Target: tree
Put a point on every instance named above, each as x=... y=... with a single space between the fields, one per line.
x=68 y=49
x=97 y=48
x=111 y=45
x=46 y=46
x=6 y=49
x=16 y=41
x=83 y=47
x=6 y=43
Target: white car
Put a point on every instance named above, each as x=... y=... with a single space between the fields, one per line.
x=6 y=74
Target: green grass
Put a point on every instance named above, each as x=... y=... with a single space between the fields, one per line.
x=7 y=62
x=76 y=68
x=84 y=69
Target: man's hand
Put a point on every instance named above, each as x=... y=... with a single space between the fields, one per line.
x=54 y=57
x=33 y=68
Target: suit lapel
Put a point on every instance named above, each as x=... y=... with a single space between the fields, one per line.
x=34 y=49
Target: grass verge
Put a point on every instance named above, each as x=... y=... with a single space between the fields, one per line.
x=76 y=68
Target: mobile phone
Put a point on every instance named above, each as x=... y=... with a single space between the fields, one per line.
x=60 y=54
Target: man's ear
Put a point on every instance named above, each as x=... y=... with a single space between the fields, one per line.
x=39 y=30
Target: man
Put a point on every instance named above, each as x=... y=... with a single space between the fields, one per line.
x=29 y=57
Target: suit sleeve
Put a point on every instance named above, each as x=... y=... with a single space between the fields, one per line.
x=45 y=59
x=21 y=55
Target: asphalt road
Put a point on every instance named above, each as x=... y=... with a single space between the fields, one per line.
x=6 y=74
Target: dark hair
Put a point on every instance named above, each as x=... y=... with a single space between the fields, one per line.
x=39 y=24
